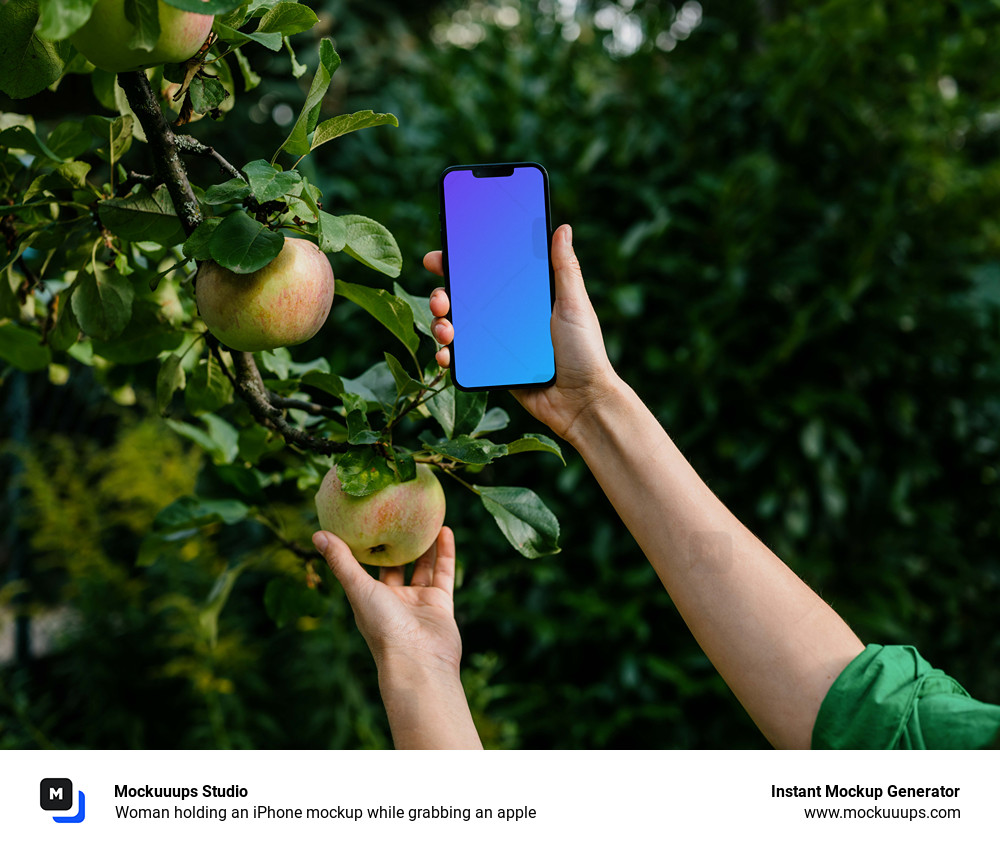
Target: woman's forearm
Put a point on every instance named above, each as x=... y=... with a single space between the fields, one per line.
x=774 y=641
x=426 y=707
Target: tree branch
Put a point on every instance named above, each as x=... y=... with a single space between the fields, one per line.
x=189 y=144
x=163 y=142
x=250 y=387
x=284 y=403
x=167 y=147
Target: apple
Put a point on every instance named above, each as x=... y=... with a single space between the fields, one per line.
x=389 y=528
x=104 y=38
x=284 y=303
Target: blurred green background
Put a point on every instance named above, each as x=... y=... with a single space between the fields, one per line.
x=786 y=213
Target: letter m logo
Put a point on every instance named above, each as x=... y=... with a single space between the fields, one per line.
x=56 y=795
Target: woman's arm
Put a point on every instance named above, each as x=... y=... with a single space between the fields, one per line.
x=774 y=641
x=412 y=634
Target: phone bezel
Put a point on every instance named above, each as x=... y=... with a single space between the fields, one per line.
x=496 y=169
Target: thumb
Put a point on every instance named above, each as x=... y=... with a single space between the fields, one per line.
x=342 y=562
x=570 y=288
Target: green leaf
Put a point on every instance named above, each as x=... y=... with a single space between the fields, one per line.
x=243 y=245
x=28 y=62
x=206 y=7
x=232 y=190
x=277 y=362
x=405 y=385
x=192 y=512
x=169 y=379
x=257 y=441
x=457 y=412
x=269 y=183
x=144 y=15
x=358 y=432
x=393 y=312
x=270 y=40
x=75 y=173
x=286 y=601
x=220 y=440
x=363 y=471
x=406 y=466
x=334 y=128
x=250 y=79
x=102 y=303
x=208 y=388
x=375 y=385
x=69 y=139
x=21 y=138
x=208 y=617
x=536 y=443
x=297 y=142
x=466 y=449
x=61 y=18
x=146 y=335
x=525 y=521
x=23 y=348
x=195 y=247
x=143 y=217
x=114 y=135
x=287 y=19
x=495 y=419
x=331 y=233
x=66 y=331
x=246 y=481
x=422 y=317
x=207 y=93
x=298 y=69
x=160 y=544
x=332 y=384
x=372 y=244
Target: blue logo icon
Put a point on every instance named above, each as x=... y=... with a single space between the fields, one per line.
x=56 y=795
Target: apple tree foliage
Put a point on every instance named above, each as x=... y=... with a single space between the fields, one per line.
x=103 y=230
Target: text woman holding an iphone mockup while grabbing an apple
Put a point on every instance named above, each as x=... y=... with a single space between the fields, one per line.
x=797 y=668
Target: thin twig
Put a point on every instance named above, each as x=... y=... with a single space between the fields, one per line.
x=284 y=403
x=417 y=401
x=189 y=144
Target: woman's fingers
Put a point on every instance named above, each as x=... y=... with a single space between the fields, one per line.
x=423 y=570
x=345 y=566
x=439 y=303
x=442 y=329
x=444 y=565
x=392 y=576
x=433 y=263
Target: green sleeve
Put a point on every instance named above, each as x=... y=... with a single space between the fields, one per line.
x=889 y=697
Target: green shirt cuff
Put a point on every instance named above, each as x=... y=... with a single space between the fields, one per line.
x=889 y=697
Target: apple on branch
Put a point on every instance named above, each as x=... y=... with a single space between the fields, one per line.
x=105 y=37
x=284 y=303
x=390 y=527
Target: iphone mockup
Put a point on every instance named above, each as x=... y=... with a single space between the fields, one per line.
x=495 y=239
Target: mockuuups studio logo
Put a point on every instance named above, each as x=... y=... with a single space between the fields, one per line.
x=56 y=795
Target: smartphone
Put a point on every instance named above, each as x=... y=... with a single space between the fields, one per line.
x=495 y=238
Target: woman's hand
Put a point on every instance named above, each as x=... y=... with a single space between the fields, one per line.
x=584 y=375
x=413 y=636
x=416 y=622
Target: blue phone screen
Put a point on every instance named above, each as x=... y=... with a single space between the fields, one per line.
x=497 y=252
